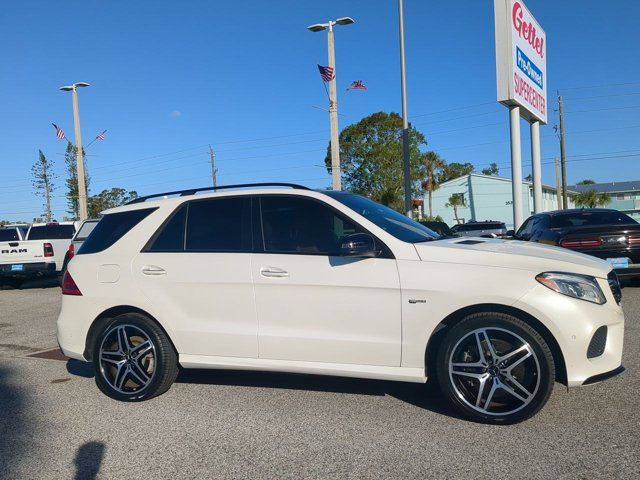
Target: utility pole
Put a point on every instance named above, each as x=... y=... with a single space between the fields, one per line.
x=214 y=170
x=563 y=157
x=408 y=207
x=558 y=187
x=47 y=188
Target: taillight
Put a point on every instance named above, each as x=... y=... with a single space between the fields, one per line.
x=581 y=242
x=48 y=250
x=633 y=240
x=72 y=251
x=69 y=286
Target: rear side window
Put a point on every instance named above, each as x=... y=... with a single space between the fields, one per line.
x=112 y=228
x=170 y=238
x=85 y=230
x=219 y=225
x=8 y=235
x=51 y=232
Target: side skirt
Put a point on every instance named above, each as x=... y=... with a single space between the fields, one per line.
x=400 y=374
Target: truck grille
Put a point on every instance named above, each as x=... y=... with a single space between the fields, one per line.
x=614 y=284
x=597 y=343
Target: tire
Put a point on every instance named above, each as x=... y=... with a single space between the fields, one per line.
x=505 y=385
x=133 y=358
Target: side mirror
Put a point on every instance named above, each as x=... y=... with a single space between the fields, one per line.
x=511 y=233
x=358 y=245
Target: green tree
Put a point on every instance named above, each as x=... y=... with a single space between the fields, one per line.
x=71 y=182
x=371 y=158
x=42 y=180
x=587 y=181
x=591 y=199
x=109 y=199
x=455 y=170
x=433 y=168
x=456 y=201
x=491 y=170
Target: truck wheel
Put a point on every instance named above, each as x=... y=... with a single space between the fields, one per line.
x=133 y=358
x=495 y=368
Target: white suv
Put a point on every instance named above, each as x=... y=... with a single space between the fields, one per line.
x=297 y=280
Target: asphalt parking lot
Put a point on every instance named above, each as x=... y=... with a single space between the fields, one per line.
x=54 y=423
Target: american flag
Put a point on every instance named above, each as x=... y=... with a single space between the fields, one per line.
x=326 y=73
x=100 y=136
x=357 y=85
x=59 y=132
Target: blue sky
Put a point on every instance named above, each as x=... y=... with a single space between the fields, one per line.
x=169 y=78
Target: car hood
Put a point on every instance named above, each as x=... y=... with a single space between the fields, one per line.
x=515 y=254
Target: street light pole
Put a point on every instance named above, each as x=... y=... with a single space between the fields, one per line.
x=336 y=179
x=82 y=187
x=408 y=207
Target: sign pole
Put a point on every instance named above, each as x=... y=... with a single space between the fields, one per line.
x=536 y=170
x=516 y=165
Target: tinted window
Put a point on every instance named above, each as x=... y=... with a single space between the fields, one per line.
x=111 y=228
x=389 y=220
x=85 y=230
x=587 y=218
x=8 y=234
x=301 y=225
x=51 y=232
x=526 y=229
x=171 y=236
x=219 y=225
x=469 y=227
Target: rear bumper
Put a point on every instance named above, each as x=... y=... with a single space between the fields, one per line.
x=628 y=273
x=27 y=270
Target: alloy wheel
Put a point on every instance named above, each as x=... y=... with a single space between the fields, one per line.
x=127 y=359
x=494 y=371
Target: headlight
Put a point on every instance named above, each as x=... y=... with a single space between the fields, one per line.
x=582 y=287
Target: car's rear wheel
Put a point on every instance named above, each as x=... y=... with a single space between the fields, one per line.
x=495 y=368
x=133 y=358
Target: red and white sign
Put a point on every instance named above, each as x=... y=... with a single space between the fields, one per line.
x=521 y=59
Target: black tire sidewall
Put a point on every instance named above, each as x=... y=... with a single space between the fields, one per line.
x=163 y=357
x=507 y=322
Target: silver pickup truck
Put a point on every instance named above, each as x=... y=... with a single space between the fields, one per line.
x=37 y=251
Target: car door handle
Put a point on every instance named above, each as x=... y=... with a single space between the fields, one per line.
x=153 y=270
x=273 y=272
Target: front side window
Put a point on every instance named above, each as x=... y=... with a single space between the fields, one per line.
x=303 y=226
x=219 y=225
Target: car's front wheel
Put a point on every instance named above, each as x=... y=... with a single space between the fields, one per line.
x=495 y=368
x=133 y=358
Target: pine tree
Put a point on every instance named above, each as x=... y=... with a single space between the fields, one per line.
x=43 y=185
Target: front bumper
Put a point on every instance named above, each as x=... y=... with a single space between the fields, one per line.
x=27 y=270
x=604 y=376
x=573 y=324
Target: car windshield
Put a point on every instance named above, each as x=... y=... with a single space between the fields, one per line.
x=51 y=232
x=392 y=222
x=469 y=227
x=589 y=218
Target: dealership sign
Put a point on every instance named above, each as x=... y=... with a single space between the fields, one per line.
x=521 y=59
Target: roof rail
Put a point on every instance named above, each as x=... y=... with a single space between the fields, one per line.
x=193 y=191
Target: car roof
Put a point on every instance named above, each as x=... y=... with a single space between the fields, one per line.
x=177 y=200
x=572 y=211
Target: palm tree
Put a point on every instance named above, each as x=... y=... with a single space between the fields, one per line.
x=591 y=199
x=433 y=167
x=456 y=200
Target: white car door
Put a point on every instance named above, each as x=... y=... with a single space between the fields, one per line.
x=314 y=305
x=197 y=273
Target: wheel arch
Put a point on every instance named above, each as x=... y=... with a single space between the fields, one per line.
x=452 y=319
x=108 y=315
